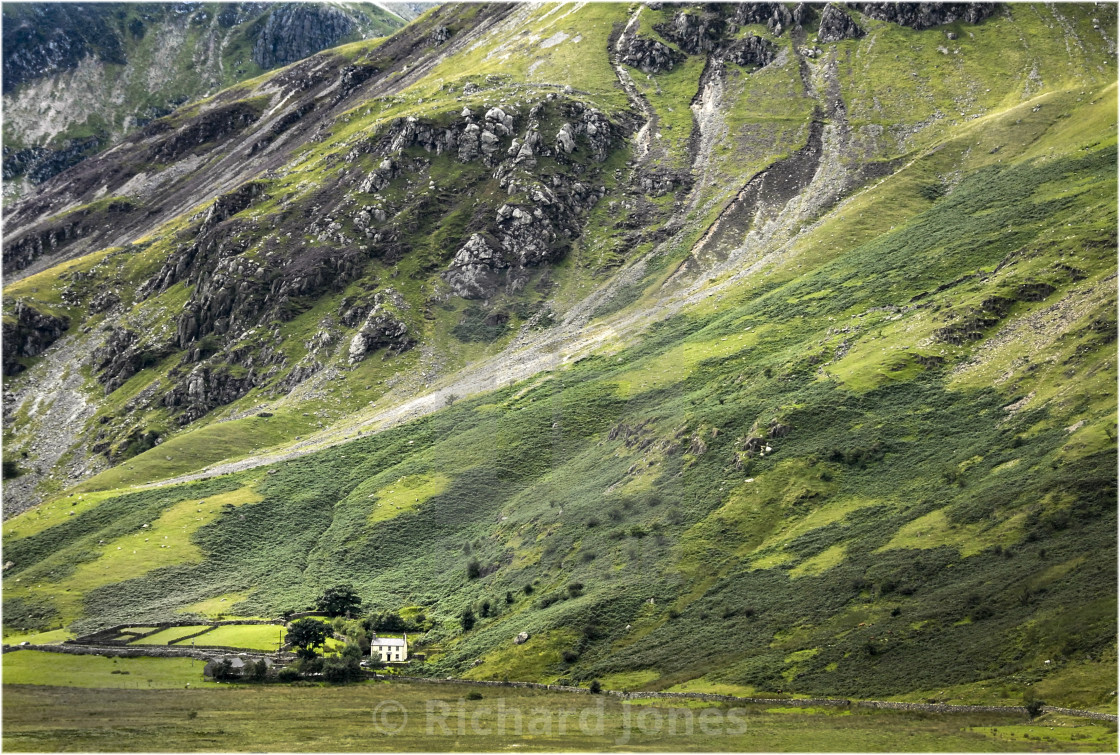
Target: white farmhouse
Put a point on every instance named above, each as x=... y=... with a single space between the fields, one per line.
x=389 y=649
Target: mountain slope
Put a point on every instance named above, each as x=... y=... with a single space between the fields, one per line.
x=78 y=76
x=729 y=354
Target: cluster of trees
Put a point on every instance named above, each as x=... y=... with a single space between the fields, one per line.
x=308 y=635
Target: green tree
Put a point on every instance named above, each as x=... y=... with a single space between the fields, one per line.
x=339 y=600
x=258 y=671
x=467 y=620
x=306 y=635
x=342 y=669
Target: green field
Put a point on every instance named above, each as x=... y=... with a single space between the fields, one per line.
x=95 y=671
x=170 y=634
x=248 y=636
x=412 y=717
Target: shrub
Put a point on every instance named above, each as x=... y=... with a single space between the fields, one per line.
x=570 y=656
x=595 y=687
x=11 y=469
x=467 y=620
x=575 y=589
x=310 y=665
x=474 y=569
x=474 y=695
x=288 y=675
x=341 y=670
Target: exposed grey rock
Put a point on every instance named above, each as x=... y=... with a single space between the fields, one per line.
x=776 y=16
x=296 y=30
x=564 y=139
x=836 y=25
x=521 y=638
x=926 y=15
x=502 y=121
x=470 y=146
x=206 y=388
x=30 y=335
x=383 y=327
x=649 y=55
x=123 y=355
x=103 y=301
x=439 y=35
x=750 y=51
x=694 y=33
x=381 y=177
x=472 y=271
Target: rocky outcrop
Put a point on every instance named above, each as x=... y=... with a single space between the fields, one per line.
x=707 y=33
x=103 y=301
x=926 y=15
x=123 y=355
x=649 y=55
x=210 y=126
x=439 y=35
x=473 y=271
x=38 y=164
x=296 y=30
x=750 y=51
x=44 y=240
x=836 y=25
x=384 y=327
x=28 y=334
x=205 y=389
x=776 y=16
x=694 y=33
x=228 y=205
x=522 y=236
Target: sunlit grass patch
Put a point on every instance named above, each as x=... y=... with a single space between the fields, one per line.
x=406 y=494
x=53 y=637
x=529 y=661
x=247 y=636
x=676 y=364
x=819 y=563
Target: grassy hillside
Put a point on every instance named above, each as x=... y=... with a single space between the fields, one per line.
x=860 y=441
